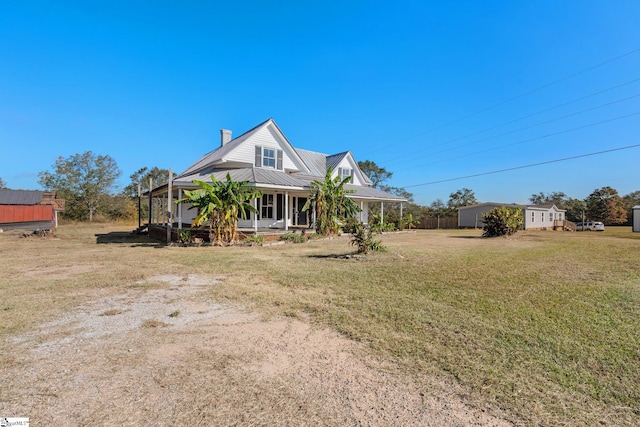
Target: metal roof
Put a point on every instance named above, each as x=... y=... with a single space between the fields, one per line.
x=316 y=162
x=20 y=197
x=334 y=160
x=264 y=177
x=217 y=154
x=373 y=193
x=252 y=175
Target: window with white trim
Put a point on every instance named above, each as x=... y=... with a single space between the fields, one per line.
x=542 y=216
x=268 y=157
x=533 y=217
x=345 y=173
x=266 y=207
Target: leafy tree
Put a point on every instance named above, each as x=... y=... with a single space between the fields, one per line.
x=376 y=174
x=462 y=197
x=331 y=204
x=605 y=205
x=502 y=221
x=119 y=208
x=631 y=200
x=219 y=204
x=83 y=180
x=576 y=209
x=557 y=198
x=141 y=177
x=2 y=184
x=439 y=208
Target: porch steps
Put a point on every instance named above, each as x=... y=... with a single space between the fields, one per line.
x=143 y=229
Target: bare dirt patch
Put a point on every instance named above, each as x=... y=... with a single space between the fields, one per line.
x=204 y=363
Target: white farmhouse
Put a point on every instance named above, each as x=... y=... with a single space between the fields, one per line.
x=264 y=157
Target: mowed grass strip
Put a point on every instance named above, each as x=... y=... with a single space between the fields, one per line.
x=543 y=325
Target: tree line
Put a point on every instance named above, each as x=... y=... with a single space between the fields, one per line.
x=88 y=182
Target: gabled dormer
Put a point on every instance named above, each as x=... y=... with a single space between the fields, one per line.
x=344 y=165
x=265 y=146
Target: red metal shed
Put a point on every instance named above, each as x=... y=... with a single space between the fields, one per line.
x=29 y=210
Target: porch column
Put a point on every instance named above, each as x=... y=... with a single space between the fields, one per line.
x=401 y=205
x=286 y=210
x=180 y=209
x=164 y=209
x=361 y=209
x=169 y=205
x=381 y=213
x=150 y=201
x=255 y=217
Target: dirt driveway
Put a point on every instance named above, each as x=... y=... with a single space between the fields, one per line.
x=167 y=356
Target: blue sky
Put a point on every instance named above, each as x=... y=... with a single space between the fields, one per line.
x=430 y=90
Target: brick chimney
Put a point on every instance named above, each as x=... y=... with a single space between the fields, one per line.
x=225 y=136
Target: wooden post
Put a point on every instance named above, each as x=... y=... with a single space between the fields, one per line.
x=169 y=205
x=286 y=210
x=180 y=209
x=150 y=203
x=139 y=211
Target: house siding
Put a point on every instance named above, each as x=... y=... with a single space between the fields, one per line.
x=265 y=139
x=347 y=164
x=535 y=217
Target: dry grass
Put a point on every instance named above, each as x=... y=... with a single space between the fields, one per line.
x=543 y=325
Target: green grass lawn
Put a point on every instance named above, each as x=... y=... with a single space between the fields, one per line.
x=544 y=326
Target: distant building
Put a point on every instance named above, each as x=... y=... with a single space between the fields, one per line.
x=536 y=217
x=636 y=218
x=29 y=210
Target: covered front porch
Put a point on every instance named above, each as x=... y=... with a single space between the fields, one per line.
x=280 y=209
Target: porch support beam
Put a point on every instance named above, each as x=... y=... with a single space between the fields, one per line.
x=150 y=201
x=255 y=217
x=381 y=213
x=169 y=205
x=180 y=209
x=286 y=211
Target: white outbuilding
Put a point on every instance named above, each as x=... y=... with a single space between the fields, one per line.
x=536 y=217
x=636 y=218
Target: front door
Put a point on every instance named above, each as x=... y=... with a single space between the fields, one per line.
x=300 y=216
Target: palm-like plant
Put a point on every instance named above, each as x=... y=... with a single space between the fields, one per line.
x=331 y=203
x=220 y=203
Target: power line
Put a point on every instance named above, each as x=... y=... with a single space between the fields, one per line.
x=525 y=166
x=540 y=124
x=593 y=67
x=522 y=118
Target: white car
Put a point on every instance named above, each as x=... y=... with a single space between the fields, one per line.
x=590 y=226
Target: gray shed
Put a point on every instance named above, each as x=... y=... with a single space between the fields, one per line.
x=636 y=218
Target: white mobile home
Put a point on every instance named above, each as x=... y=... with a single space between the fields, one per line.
x=536 y=217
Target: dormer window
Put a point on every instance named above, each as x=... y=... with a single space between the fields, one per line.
x=345 y=173
x=268 y=158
